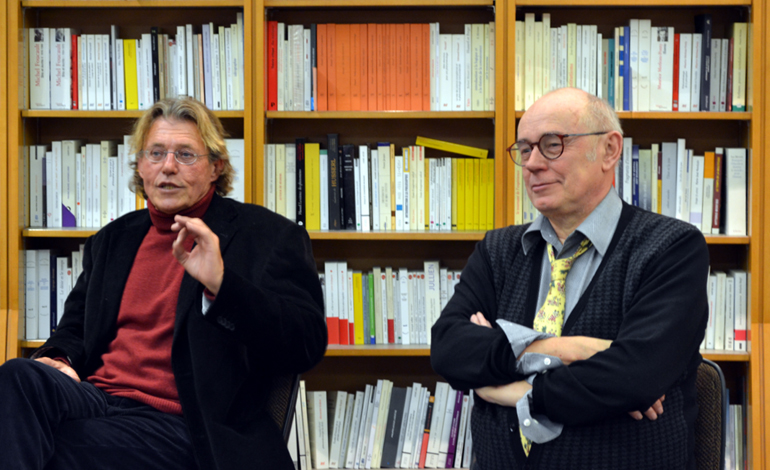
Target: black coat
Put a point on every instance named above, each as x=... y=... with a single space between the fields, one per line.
x=267 y=320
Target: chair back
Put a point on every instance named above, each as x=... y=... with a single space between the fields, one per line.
x=711 y=423
x=281 y=402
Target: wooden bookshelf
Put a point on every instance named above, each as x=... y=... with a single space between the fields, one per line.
x=4 y=72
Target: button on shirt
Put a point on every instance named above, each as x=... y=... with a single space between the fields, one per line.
x=599 y=227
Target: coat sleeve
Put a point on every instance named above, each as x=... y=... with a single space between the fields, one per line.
x=275 y=308
x=658 y=339
x=467 y=355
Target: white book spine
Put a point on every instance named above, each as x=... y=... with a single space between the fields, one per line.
x=724 y=65
x=729 y=313
x=645 y=69
x=216 y=74
x=355 y=428
x=403 y=280
x=281 y=67
x=719 y=312
x=458 y=72
x=383 y=186
x=741 y=308
x=44 y=294
x=39 y=68
x=60 y=68
x=365 y=191
x=434 y=67
x=445 y=72
x=735 y=191
x=54 y=184
x=324 y=189
x=291 y=182
x=682 y=181
x=685 y=71
x=695 y=76
x=188 y=50
x=269 y=196
x=715 y=74
x=112 y=188
x=468 y=67
x=634 y=63
x=237 y=153
x=307 y=78
x=120 y=79
x=36 y=200
x=92 y=82
x=436 y=423
x=106 y=71
x=31 y=298
x=696 y=191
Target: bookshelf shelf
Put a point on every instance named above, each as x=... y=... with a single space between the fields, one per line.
x=58 y=232
x=379 y=115
x=376 y=3
x=130 y=3
x=378 y=350
x=393 y=236
x=658 y=116
x=35 y=113
x=631 y=3
x=726 y=356
x=725 y=240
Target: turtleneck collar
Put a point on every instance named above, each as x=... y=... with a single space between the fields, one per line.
x=163 y=222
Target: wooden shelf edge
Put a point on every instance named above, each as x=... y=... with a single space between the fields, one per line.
x=131 y=3
x=630 y=3
x=379 y=115
x=376 y=3
x=377 y=350
x=396 y=236
x=674 y=115
x=58 y=232
x=725 y=356
x=46 y=113
x=727 y=240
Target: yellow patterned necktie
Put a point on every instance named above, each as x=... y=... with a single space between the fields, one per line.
x=550 y=317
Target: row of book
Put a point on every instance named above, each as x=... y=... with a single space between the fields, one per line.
x=709 y=190
x=382 y=427
x=363 y=187
x=101 y=72
x=385 y=305
x=48 y=280
x=641 y=68
x=379 y=67
x=78 y=184
x=728 y=311
x=736 y=444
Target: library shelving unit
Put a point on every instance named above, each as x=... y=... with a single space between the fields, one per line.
x=704 y=131
x=350 y=368
x=27 y=127
x=3 y=179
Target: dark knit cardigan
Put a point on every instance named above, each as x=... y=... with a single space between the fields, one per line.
x=648 y=296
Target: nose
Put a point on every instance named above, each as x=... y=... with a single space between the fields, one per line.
x=536 y=159
x=169 y=162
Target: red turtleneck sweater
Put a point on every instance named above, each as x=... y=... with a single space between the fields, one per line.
x=137 y=364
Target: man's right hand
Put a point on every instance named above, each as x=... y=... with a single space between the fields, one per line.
x=568 y=348
x=60 y=366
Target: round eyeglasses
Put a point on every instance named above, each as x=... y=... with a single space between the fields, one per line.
x=551 y=146
x=185 y=157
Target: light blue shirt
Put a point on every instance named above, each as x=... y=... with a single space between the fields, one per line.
x=599 y=227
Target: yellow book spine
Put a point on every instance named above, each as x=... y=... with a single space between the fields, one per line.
x=482 y=177
x=469 y=192
x=313 y=186
x=393 y=187
x=129 y=64
x=455 y=191
x=490 y=194
x=476 y=193
x=358 y=309
x=462 y=172
x=452 y=147
x=426 y=203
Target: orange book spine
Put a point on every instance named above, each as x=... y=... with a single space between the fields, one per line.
x=426 y=432
x=392 y=67
x=371 y=66
x=331 y=67
x=323 y=102
x=363 y=77
x=343 y=66
x=355 y=69
x=415 y=66
x=402 y=41
x=381 y=84
x=425 y=67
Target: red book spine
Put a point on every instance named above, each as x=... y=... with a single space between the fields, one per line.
x=321 y=54
x=331 y=66
x=425 y=52
x=426 y=433
x=675 y=102
x=74 y=63
x=363 y=63
x=344 y=326
x=272 y=65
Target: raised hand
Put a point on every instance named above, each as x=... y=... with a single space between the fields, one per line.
x=204 y=262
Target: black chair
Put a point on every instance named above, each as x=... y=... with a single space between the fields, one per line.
x=281 y=402
x=711 y=423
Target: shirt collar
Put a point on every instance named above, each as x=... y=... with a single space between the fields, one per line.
x=605 y=216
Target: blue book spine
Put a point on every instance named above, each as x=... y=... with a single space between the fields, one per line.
x=611 y=73
x=627 y=70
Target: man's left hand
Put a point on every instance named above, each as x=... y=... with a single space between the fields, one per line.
x=204 y=262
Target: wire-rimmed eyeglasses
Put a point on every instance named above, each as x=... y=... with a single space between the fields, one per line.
x=551 y=146
x=184 y=157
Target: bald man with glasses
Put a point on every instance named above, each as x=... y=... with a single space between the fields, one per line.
x=579 y=332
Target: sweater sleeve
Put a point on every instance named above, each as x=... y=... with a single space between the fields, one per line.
x=658 y=338
x=467 y=355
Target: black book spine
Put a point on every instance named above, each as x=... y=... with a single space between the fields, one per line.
x=334 y=181
x=300 y=152
x=313 y=68
x=703 y=26
x=348 y=187
x=52 y=290
x=155 y=73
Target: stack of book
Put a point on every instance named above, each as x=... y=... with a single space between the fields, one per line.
x=640 y=67
x=728 y=311
x=77 y=184
x=386 y=305
x=102 y=72
x=355 y=187
x=379 y=67
x=382 y=427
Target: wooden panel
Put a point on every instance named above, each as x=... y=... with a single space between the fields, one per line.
x=4 y=183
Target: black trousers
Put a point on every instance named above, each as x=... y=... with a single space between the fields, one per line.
x=49 y=421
